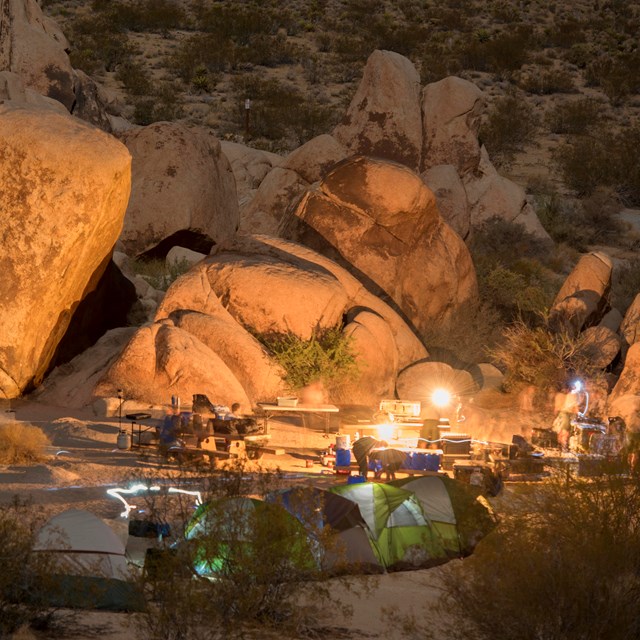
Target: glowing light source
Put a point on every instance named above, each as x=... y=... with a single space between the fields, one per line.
x=441 y=397
x=385 y=431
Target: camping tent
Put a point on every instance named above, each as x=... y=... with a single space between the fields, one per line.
x=336 y=523
x=235 y=533
x=452 y=509
x=91 y=568
x=401 y=535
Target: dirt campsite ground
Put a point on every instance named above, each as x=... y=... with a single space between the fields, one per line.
x=84 y=462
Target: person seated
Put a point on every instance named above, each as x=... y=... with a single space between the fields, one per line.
x=234 y=414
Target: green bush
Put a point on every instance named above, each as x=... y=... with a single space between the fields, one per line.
x=327 y=357
x=513 y=278
x=563 y=564
x=22 y=443
x=510 y=125
x=160 y=274
x=135 y=78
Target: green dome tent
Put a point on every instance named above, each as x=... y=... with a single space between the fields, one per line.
x=238 y=533
x=453 y=510
x=400 y=534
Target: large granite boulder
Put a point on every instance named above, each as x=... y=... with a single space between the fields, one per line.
x=383 y=119
x=181 y=182
x=599 y=345
x=64 y=193
x=451 y=112
x=629 y=382
x=583 y=297
x=34 y=47
x=380 y=221
x=249 y=166
x=630 y=326
x=260 y=285
x=489 y=195
x=451 y=197
x=12 y=88
x=284 y=185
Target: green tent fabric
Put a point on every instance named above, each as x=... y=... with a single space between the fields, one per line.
x=400 y=534
x=236 y=532
x=453 y=510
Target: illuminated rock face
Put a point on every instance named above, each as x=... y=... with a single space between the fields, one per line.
x=583 y=297
x=384 y=119
x=201 y=340
x=180 y=181
x=380 y=221
x=34 y=47
x=283 y=187
x=64 y=192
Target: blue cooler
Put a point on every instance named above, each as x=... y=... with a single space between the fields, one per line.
x=343 y=457
x=432 y=461
x=356 y=479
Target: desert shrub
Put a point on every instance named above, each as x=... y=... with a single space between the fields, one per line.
x=21 y=443
x=574 y=116
x=260 y=562
x=564 y=563
x=618 y=75
x=135 y=78
x=579 y=224
x=280 y=111
x=470 y=336
x=25 y=575
x=607 y=158
x=327 y=356
x=98 y=44
x=510 y=275
x=511 y=124
x=625 y=285
x=542 y=356
x=548 y=82
x=565 y=33
x=503 y=53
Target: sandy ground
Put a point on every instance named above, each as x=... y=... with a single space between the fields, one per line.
x=84 y=461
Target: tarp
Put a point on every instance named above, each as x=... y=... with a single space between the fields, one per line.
x=91 y=567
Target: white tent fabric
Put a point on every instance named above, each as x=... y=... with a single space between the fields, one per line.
x=86 y=545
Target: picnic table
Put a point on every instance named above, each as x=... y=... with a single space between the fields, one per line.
x=269 y=410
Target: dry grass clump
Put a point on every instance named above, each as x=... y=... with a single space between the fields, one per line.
x=22 y=443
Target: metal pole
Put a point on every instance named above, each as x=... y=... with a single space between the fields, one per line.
x=247 y=110
x=120 y=409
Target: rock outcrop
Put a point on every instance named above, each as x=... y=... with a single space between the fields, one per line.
x=451 y=112
x=383 y=119
x=380 y=221
x=451 y=197
x=282 y=188
x=181 y=182
x=34 y=47
x=261 y=285
x=61 y=221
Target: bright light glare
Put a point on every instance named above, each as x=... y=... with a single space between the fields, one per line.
x=441 y=397
x=385 y=431
x=577 y=386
